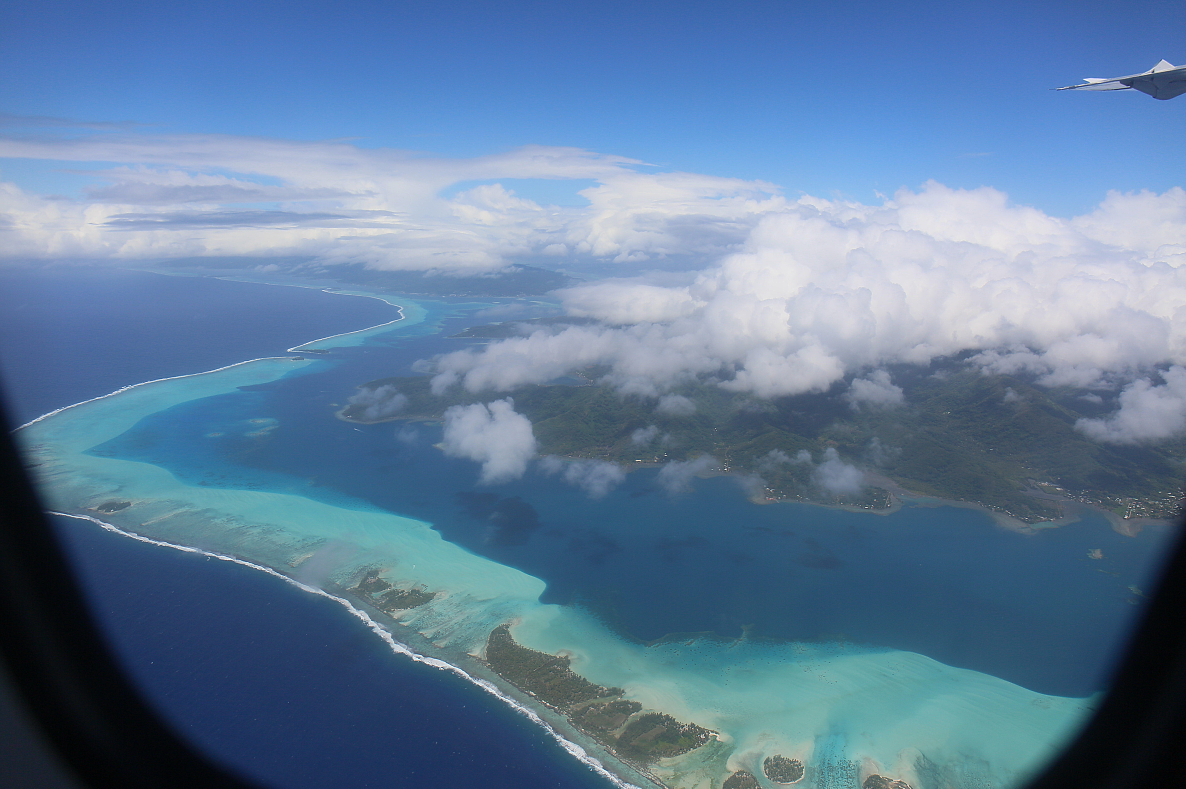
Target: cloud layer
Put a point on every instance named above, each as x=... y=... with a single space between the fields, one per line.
x=772 y=296
x=170 y=196
x=825 y=290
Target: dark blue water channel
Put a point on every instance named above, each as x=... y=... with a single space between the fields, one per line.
x=945 y=582
x=71 y=333
x=284 y=686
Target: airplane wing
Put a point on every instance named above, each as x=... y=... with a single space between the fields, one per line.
x=1163 y=81
x=1100 y=84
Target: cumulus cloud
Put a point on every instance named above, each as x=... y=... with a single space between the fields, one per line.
x=774 y=296
x=823 y=289
x=1011 y=396
x=494 y=435
x=675 y=405
x=382 y=402
x=776 y=457
x=595 y=477
x=644 y=436
x=167 y=196
x=878 y=453
x=877 y=390
x=1148 y=411
x=836 y=476
x=676 y=476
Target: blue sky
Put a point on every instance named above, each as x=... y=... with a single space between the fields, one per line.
x=828 y=99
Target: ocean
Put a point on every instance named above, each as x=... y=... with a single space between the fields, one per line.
x=281 y=685
x=916 y=608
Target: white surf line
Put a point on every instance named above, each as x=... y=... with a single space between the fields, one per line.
x=398 y=307
x=324 y=289
x=123 y=389
x=296 y=349
x=398 y=647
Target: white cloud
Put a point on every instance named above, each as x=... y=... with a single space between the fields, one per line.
x=647 y=303
x=1011 y=396
x=675 y=405
x=1151 y=223
x=201 y=195
x=823 y=289
x=381 y=402
x=595 y=477
x=877 y=390
x=878 y=453
x=836 y=476
x=644 y=435
x=1148 y=412
x=776 y=457
x=494 y=435
x=777 y=297
x=676 y=476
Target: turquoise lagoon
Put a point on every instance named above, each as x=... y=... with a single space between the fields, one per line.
x=227 y=462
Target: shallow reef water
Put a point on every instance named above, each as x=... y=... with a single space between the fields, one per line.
x=930 y=644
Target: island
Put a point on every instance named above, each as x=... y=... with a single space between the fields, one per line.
x=515 y=280
x=961 y=436
x=109 y=507
x=619 y=724
x=697 y=711
x=742 y=779
x=782 y=770
x=382 y=595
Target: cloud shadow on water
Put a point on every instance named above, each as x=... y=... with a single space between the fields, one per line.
x=510 y=521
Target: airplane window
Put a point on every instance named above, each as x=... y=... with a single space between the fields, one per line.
x=661 y=406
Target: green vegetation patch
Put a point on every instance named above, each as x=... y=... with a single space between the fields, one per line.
x=742 y=779
x=876 y=781
x=545 y=676
x=385 y=597
x=403 y=599
x=782 y=770
x=113 y=506
x=605 y=717
x=994 y=440
x=656 y=735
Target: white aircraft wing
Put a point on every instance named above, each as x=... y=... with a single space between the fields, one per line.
x=1163 y=81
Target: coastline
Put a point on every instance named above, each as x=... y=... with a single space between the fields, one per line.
x=492 y=685
x=899 y=497
x=529 y=707
x=358 y=608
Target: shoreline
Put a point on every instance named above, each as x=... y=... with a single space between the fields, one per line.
x=295 y=349
x=356 y=608
x=530 y=709
x=899 y=497
x=522 y=707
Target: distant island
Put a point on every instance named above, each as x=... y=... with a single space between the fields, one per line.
x=513 y=281
x=995 y=441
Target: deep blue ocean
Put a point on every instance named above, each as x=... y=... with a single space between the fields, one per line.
x=281 y=685
x=284 y=684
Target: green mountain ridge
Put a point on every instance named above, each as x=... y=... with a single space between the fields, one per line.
x=995 y=440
